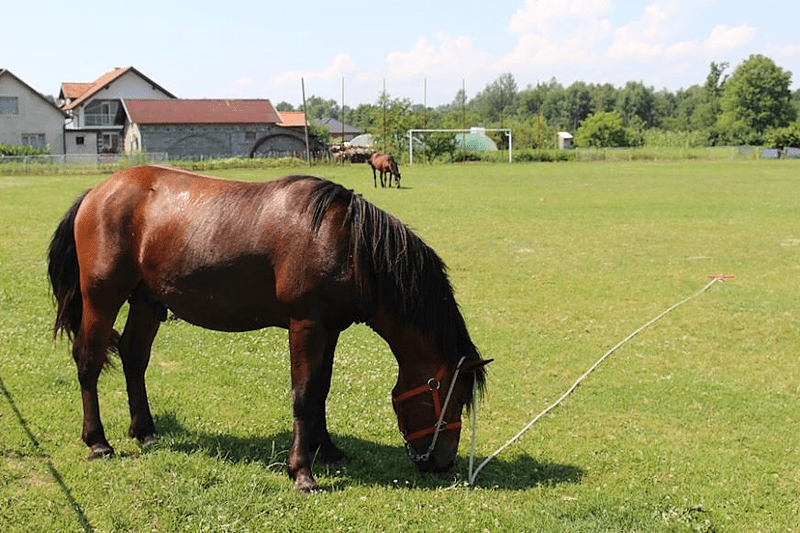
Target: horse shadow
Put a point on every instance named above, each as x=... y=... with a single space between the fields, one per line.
x=370 y=463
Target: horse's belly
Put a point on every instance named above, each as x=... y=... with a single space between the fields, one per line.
x=224 y=318
x=224 y=301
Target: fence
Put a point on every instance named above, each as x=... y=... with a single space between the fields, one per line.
x=55 y=164
x=715 y=153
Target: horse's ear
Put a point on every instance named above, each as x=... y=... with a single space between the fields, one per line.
x=473 y=364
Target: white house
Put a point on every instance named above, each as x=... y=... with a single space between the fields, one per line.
x=27 y=117
x=96 y=115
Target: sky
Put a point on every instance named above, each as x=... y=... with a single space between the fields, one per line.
x=422 y=50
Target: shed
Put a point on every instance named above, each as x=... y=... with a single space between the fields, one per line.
x=564 y=140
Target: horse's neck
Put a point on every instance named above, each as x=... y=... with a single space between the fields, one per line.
x=411 y=347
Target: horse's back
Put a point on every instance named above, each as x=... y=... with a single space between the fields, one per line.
x=220 y=253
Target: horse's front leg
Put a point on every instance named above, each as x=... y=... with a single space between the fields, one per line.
x=374 y=178
x=311 y=348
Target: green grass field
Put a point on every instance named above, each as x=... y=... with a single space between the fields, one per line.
x=694 y=425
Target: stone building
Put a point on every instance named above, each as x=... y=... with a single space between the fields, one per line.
x=209 y=128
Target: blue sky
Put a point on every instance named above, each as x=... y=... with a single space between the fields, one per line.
x=420 y=50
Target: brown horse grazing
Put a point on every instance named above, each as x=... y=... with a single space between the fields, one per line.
x=300 y=253
x=386 y=165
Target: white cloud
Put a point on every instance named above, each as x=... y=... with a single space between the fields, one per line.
x=551 y=33
x=342 y=64
x=581 y=34
x=786 y=50
x=721 y=40
x=446 y=55
x=545 y=15
x=643 y=39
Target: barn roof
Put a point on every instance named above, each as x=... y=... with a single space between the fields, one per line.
x=201 y=112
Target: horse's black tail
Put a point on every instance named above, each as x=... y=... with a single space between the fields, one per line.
x=65 y=274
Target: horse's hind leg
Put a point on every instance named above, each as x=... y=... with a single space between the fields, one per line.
x=90 y=351
x=144 y=318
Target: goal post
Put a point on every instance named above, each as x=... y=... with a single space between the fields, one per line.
x=411 y=133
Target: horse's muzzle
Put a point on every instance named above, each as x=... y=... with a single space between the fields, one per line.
x=441 y=459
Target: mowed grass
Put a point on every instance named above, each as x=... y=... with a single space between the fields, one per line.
x=694 y=425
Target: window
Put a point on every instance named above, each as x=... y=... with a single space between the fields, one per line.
x=8 y=105
x=100 y=113
x=34 y=140
x=79 y=140
x=108 y=143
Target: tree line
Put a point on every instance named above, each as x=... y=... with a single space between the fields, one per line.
x=750 y=105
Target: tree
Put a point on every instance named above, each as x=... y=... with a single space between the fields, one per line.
x=577 y=104
x=391 y=119
x=319 y=108
x=284 y=106
x=602 y=130
x=704 y=102
x=439 y=144
x=542 y=134
x=604 y=97
x=498 y=99
x=554 y=102
x=757 y=96
x=636 y=100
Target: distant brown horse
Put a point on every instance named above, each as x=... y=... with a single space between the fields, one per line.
x=300 y=253
x=385 y=164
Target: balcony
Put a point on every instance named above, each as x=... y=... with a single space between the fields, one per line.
x=98 y=119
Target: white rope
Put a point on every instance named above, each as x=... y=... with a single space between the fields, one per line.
x=474 y=475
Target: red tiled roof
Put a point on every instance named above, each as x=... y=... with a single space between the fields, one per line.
x=96 y=85
x=91 y=88
x=201 y=112
x=72 y=90
x=293 y=119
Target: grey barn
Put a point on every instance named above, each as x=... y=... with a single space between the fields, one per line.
x=209 y=128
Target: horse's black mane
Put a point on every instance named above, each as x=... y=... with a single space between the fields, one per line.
x=395 y=266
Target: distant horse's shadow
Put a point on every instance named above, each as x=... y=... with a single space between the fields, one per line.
x=371 y=463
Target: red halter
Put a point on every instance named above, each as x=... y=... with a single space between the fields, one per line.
x=433 y=385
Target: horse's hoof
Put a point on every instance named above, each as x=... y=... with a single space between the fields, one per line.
x=307 y=484
x=331 y=455
x=335 y=460
x=147 y=441
x=101 y=451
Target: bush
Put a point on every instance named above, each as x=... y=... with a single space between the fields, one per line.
x=17 y=150
x=781 y=138
x=602 y=130
x=529 y=155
